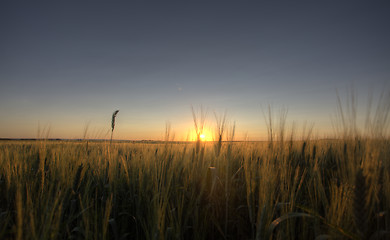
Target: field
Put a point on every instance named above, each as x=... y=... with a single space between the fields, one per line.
x=309 y=189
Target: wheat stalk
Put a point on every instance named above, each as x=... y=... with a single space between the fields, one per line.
x=220 y=128
x=199 y=122
x=113 y=123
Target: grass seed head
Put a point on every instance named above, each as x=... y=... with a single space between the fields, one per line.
x=113 y=120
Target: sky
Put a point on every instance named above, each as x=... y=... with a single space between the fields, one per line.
x=66 y=66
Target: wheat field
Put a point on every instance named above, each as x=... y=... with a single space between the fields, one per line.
x=309 y=189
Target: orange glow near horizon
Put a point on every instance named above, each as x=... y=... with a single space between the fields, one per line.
x=202 y=137
x=205 y=136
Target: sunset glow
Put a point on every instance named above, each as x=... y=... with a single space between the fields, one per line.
x=154 y=61
x=202 y=137
x=205 y=136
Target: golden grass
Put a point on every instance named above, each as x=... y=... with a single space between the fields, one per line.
x=247 y=190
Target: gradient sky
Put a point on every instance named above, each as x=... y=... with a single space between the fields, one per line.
x=67 y=65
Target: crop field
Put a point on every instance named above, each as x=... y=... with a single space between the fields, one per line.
x=309 y=189
x=195 y=120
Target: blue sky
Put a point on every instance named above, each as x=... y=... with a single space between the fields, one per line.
x=71 y=64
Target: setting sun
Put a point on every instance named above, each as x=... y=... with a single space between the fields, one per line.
x=205 y=136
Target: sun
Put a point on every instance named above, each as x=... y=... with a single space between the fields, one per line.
x=202 y=137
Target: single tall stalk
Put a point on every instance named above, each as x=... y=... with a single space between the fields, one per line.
x=113 y=123
x=220 y=129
